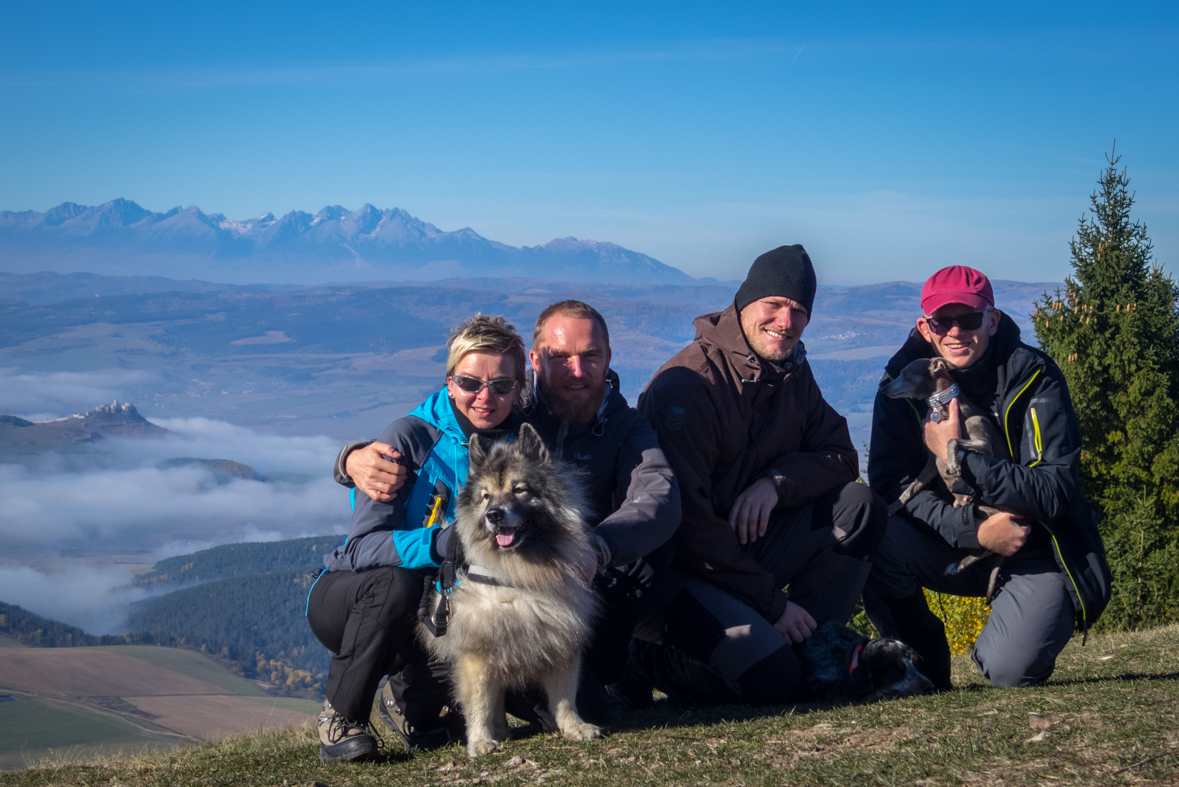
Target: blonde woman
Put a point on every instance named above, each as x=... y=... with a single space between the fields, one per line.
x=363 y=608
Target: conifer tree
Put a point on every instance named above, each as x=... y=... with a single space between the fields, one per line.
x=1114 y=332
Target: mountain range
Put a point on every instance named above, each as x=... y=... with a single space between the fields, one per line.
x=120 y=238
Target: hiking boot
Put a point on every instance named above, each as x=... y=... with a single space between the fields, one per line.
x=390 y=713
x=341 y=739
x=635 y=691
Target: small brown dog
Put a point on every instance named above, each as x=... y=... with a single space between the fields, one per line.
x=930 y=379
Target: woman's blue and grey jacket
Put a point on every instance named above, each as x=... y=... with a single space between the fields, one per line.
x=407 y=532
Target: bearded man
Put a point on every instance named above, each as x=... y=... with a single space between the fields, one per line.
x=574 y=403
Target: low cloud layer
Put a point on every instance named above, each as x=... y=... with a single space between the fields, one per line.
x=40 y=396
x=95 y=600
x=118 y=500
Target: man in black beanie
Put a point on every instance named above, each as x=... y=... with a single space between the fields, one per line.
x=767 y=475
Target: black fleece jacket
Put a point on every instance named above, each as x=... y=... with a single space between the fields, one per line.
x=1032 y=408
x=632 y=489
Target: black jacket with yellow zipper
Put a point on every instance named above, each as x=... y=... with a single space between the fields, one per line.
x=1028 y=400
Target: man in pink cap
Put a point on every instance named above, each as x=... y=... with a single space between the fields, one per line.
x=1053 y=576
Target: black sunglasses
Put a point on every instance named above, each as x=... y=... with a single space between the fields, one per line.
x=971 y=321
x=500 y=387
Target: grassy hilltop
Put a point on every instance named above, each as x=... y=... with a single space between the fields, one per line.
x=1108 y=716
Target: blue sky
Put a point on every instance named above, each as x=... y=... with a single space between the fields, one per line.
x=890 y=138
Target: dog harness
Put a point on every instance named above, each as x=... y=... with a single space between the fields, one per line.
x=445 y=584
x=938 y=402
x=451 y=574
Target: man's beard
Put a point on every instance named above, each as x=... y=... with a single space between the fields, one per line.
x=579 y=413
x=764 y=349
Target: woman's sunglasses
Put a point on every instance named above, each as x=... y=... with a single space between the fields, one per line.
x=971 y=321
x=500 y=387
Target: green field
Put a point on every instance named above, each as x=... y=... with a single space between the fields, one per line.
x=190 y=663
x=1108 y=716
x=33 y=729
x=39 y=726
x=8 y=642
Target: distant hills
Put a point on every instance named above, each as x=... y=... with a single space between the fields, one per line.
x=344 y=360
x=121 y=238
x=108 y=420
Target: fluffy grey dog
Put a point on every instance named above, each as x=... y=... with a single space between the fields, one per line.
x=520 y=611
x=840 y=665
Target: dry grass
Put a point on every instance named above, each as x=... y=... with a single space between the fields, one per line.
x=1107 y=717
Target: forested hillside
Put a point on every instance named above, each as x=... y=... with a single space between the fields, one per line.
x=35 y=631
x=244 y=603
x=239 y=560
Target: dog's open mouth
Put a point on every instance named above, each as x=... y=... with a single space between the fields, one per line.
x=505 y=536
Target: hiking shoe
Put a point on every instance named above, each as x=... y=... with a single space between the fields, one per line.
x=635 y=691
x=341 y=739
x=390 y=713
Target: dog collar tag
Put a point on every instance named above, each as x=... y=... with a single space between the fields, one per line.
x=937 y=401
x=935 y=416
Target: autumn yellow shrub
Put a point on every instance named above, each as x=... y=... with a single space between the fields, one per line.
x=964 y=618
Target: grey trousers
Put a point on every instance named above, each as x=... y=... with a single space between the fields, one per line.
x=716 y=649
x=1031 y=616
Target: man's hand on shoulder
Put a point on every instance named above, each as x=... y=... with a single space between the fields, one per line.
x=375 y=472
x=750 y=515
x=1003 y=533
x=796 y=624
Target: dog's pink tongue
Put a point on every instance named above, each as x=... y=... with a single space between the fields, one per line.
x=505 y=537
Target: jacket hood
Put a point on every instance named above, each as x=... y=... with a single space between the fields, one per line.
x=722 y=330
x=437 y=412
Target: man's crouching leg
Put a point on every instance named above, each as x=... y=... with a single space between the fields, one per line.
x=718 y=650
x=823 y=551
x=910 y=558
x=1031 y=621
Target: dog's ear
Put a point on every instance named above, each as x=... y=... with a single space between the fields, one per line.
x=530 y=443
x=475 y=452
x=939 y=366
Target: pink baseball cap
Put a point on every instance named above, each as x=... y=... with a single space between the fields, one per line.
x=957 y=284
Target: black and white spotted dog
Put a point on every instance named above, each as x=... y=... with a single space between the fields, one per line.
x=840 y=665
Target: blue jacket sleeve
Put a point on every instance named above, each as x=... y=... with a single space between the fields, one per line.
x=378 y=534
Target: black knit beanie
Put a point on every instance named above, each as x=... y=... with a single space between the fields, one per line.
x=784 y=272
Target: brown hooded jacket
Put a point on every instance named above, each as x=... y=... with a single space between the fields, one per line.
x=726 y=418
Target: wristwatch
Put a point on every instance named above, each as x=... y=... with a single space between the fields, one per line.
x=778 y=479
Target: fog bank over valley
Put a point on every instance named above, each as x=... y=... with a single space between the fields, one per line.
x=77 y=526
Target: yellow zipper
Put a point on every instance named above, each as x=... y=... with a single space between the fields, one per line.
x=1039 y=456
x=434 y=511
x=1036 y=439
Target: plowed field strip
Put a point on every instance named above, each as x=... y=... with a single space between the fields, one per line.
x=88 y=672
x=216 y=716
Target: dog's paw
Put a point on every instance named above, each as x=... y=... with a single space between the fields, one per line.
x=476 y=748
x=581 y=731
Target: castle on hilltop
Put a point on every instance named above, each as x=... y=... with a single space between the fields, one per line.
x=107 y=420
x=124 y=410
